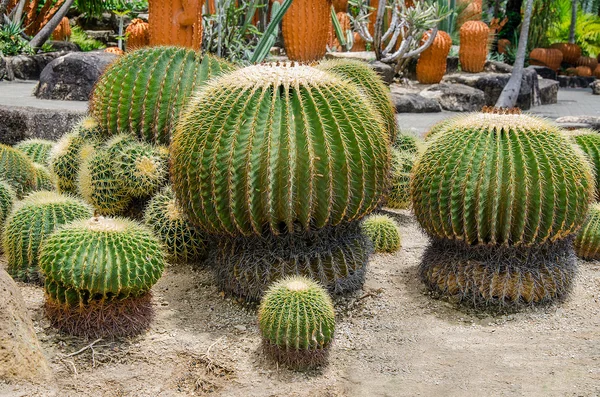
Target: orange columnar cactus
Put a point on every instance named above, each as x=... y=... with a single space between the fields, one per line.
x=340 y=5
x=305 y=29
x=473 y=46
x=374 y=4
x=431 y=66
x=471 y=11
x=138 y=34
x=63 y=30
x=344 y=20
x=176 y=22
x=571 y=52
x=549 y=57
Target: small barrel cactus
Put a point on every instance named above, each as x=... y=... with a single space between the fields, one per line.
x=587 y=242
x=183 y=241
x=7 y=200
x=138 y=34
x=98 y=274
x=65 y=161
x=17 y=170
x=141 y=168
x=589 y=141
x=30 y=223
x=43 y=178
x=384 y=232
x=473 y=46
x=369 y=83
x=279 y=148
x=144 y=91
x=432 y=63
x=406 y=143
x=297 y=322
x=38 y=150
x=335 y=256
x=89 y=129
x=398 y=196
x=63 y=30
x=501 y=179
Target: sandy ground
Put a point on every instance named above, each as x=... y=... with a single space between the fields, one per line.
x=393 y=339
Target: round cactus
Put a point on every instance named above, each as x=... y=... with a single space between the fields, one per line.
x=587 y=242
x=370 y=84
x=183 y=242
x=43 y=178
x=500 y=275
x=432 y=63
x=7 y=200
x=100 y=186
x=38 y=150
x=144 y=91
x=589 y=141
x=89 y=129
x=571 y=52
x=278 y=148
x=30 y=223
x=501 y=179
x=549 y=57
x=65 y=161
x=297 y=322
x=399 y=194
x=141 y=168
x=335 y=256
x=473 y=46
x=406 y=143
x=99 y=273
x=138 y=34
x=583 y=71
x=17 y=169
x=384 y=233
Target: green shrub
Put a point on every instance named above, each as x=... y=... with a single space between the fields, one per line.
x=384 y=232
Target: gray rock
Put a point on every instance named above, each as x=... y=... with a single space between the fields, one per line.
x=72 y=77
x=20 y=123
x=415 y=103
x=21 y=357
x=548 y=91
x=385 y=71
x=545 y=72
x=26 y=67
x=575 y=81
x=452 y=65
x=456 y=97
x=497 y=67
x=103 y=36
x=595 y=86
x=64 y=46
x=367 y=56
x=4 y=70
x=592 y=122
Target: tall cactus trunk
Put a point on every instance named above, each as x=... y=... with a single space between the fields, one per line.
x=177 y=22
x=573 y=21
x=305 y=28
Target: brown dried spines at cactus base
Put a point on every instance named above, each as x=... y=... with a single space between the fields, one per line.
x=571 y=52
x=305 y=28
x=176 y=23
x=549 y=57
x=138 y=34
x=431 y=65
x=583 y=71
x=114 y=50
x=473 y=46
x=485 y=275
x=495 y=110
x=333 y=42
x=590 y=62
x=63 y=30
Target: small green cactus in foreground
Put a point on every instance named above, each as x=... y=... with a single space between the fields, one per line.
x=297 y=322
x=65 y=161
x=398 y=196
x=38 y=150
x=383 y=232
x=30 y=223
x=587 y=242
x=99 y=272
x=7 y=200
x=89 y=129
x=17 y=170
x=183 y=241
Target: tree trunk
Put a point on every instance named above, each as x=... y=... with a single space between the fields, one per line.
x=45 y=33
x=19 y=11
x=573 y=21
x=510 y=93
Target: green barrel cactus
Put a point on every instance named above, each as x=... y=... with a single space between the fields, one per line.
x=38 y=150
x=100 y=185
x=144 y=91
x=98 y=275
x=142 y=169
x=589 y=141
x=43 y=178
x=406 y=143
x=278 y=148
x=297 y=322
x=501 y=179
x=182 y=240
x=384 y=232
x=398 y=196
x=334 y=256
x=441 y=126
x=30 y=223
x=7 y=200
x=89 y=129
x=17 y=170
x=370 y=84
x=587 y=242
x=65 y=160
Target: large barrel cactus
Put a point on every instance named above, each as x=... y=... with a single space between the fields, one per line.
x=143 y=92
x=501 y=196
x=17 y=170
x=98 y=274
x=278 y=148
x=297 y=322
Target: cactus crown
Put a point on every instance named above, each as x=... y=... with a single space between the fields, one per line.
x=282 y=147
x=501 y=179
x=38 y=150
x=383 y=232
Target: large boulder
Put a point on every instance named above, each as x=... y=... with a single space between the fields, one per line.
x=407 y=99
x=26 y=67
x=575 y=81
x=21 y=357
x=545 y=72
x=72 y=77
x=385 y=71
x=548 y=93
x=456 y=97
x=595 y=86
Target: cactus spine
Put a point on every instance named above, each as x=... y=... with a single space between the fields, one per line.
x=38 y=150
x=143 y=92
x=473 y=46
x=297 y=322
x=99 y=273
x=431 y=65
x=17 y=170
x=384 y=232
x=30 y=223
x=587 y=242
x=305 y=28
x=138 y=34
x=141 y=169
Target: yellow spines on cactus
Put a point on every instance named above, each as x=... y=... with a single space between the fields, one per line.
x=431 y=65
x=473 y=46
x=305 y=28
x=384 y=232
x=138 y=34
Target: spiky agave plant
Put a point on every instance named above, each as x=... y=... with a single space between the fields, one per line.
x=17 y=170
x=38 y=150
x=98 y=275
x=144 y=91
x=587 y=242
x=501 y=195
x=589 y=141
x=398 y=196
x=297 y=322
x=383 y=231
x=182 y=240
x=30 y=223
